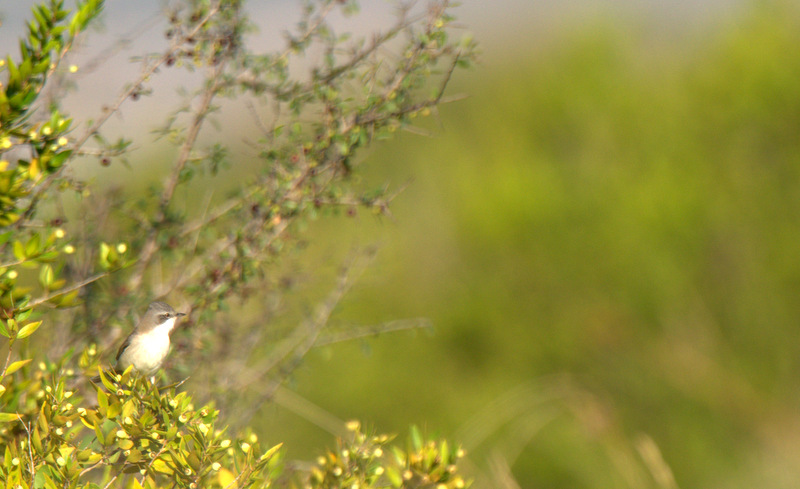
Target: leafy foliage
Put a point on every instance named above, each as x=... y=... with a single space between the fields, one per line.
x=131 y=430
x=56 y=430
x=41 y=146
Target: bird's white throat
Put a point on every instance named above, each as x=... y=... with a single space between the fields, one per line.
x=157 y=339
x=164 y=328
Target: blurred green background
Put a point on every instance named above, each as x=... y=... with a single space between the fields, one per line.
x=605 y=237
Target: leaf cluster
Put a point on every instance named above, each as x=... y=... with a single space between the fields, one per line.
x=132 y=432
x=42 y=144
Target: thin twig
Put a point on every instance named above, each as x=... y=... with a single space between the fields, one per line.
x=299 y=346
x=220 y=211
x=111 y=481
x=366 y=331
x=32 y=465
x=151 y=244
x=8 y=357
x=309 y=411
x=67 y=290
x=92 y=467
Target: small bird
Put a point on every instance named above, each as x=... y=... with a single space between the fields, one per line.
x=147 y=346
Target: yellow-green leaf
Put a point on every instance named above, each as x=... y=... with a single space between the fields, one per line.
x=394 y=476
x=114 y=408
x=17 y=365
x=107 y=383
x=160 y=465
x=269 y=453
x=101 y=437
x=44 y=425
x=86 y=423
x=11 y=326
x=46 y=276
x=28 y=329
x=83 y=455
x=19 y=250
x=135 y=456
x=32 y=246
x=128 y=409
x=37 y=440
x=102 y=402
x=6 y=417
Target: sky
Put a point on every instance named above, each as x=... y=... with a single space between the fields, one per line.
x=496 y=22
x=505 y=29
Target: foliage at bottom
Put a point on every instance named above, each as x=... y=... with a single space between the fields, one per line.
x=129 y=432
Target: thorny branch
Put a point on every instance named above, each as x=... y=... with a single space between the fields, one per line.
x=126 y=94
x=326 y=118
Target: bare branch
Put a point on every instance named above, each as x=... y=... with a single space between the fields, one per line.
x=150 y=246
x=67 y=290
x=374 y=330
x=291 y=353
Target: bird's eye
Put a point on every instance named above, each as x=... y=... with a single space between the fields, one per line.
x=163 y=317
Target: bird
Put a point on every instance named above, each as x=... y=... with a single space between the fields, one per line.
x=148 y=345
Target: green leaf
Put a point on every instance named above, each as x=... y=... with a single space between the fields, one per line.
x=6 y=417
x=104 y=251
x=58 y=159
x=41 y=13
x=32 y=247
x=114 y=408
x=19 y=250
x=17 y=365
x=269 y=453
x=28 y=329
x=44 y=425
x=25 y=68
x=13 y=72
x=12 y=326
x=37 y=440
x=47 y=257
x=42 y=66
x=46 y=276
x=43 y=479
x=416 y=438
x=3 y=330
x=394 y=476
x=99 y=432
x=102 y=402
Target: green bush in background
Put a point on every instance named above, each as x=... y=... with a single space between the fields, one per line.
x=604 y=236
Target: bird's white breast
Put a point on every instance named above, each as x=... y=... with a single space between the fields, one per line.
x=146 y=351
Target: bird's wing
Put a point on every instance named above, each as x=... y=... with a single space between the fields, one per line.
x=123 y=346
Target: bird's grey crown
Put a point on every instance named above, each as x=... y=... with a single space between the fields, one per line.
x=158 y=307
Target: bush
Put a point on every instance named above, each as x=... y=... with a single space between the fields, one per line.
x=78 y=264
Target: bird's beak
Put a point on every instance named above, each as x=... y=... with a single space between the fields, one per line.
x=179 y=314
